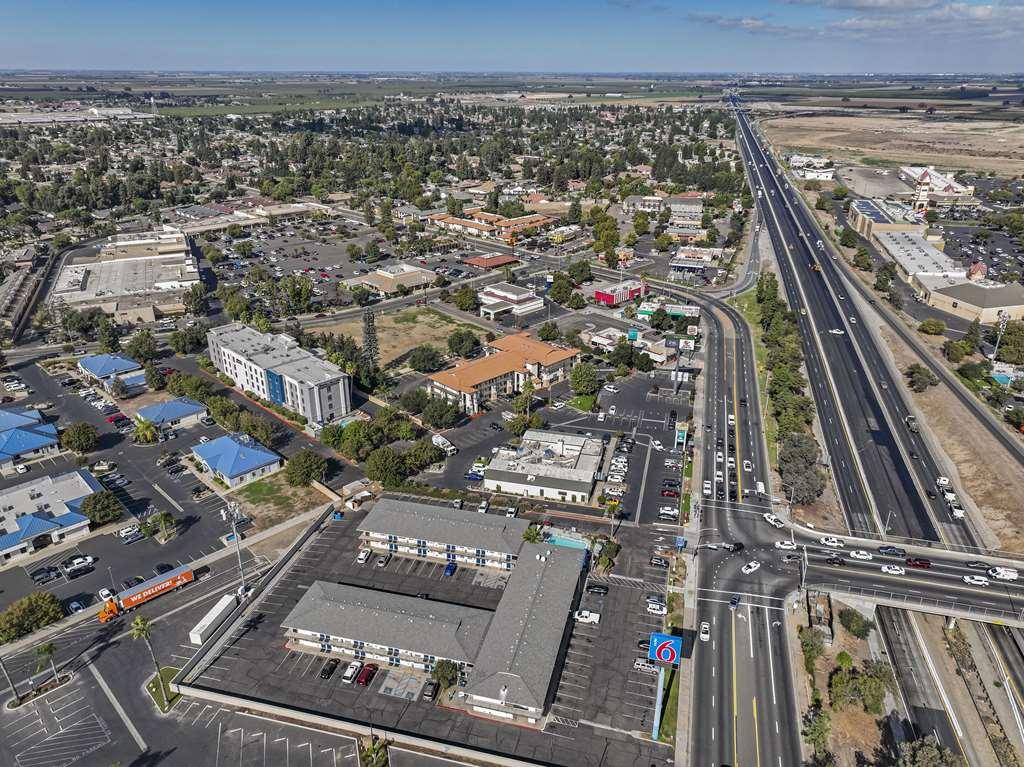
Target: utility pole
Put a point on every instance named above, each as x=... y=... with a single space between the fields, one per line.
x=803 y=569
x=1004 y=318
x=234 y=516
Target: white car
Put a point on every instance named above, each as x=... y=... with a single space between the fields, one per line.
x=862 y=555
x=611 y=410
x=21 y=468
x=748 y=466
x=600 y=417
x=705 y=631
x=352 y=672
x=668 y=510
x=719 y=457
x=656 y=609
x=610 y=389
x=837 y=332
x=832 y=541
x=893 y=570
x=786 y=545
x=616 y=478
x=975 y=580
x=772 y=520
x=750 y=567
x=585 y=616
x=557 y=405
x=656 y=444
x=364 y=556
x=853 y=320
x=105 y=594
x=942 y=481
x=707 y=487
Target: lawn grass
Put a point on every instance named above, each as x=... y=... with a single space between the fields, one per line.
x=669 y=708
x=583 y=402
x=746 y=304
x=152 y=687
x=262 y=492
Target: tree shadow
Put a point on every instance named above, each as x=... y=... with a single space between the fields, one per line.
x=149 y=758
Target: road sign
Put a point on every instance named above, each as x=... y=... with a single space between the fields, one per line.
x=665 y=648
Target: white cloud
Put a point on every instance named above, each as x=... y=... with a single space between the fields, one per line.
x=758 y=25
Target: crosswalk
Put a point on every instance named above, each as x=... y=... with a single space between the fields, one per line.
x=629 y=583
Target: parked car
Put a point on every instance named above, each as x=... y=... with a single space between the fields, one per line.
x=329 y=668
x=352 y=672
x=586 y=616
x=366 y=675
x=449 y=570
x=669 y=493
x=364 y=556
x=597 y=588
x=430 y=690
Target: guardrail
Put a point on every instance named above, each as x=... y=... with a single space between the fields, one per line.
x=925 y=604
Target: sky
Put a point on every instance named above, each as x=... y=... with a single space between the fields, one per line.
x=833 y=36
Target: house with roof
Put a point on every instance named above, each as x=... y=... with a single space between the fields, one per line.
x=181 y=412
x=237 y=459
x=101 y=367
x=44 y=511
x=25 y=436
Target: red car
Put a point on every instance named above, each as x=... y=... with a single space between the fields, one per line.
x=367 y=674
x=116 y=417
x=669 y=493
x=168 y=371
x=924 y=564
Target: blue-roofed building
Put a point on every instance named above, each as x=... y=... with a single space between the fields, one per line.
x=237 y=459
x=135 y=382
x=103 y=366
x=44 y=511
x=24 y=436
x=176 y=412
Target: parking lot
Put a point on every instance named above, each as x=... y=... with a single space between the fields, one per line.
x=999 y=251
x=255 y=662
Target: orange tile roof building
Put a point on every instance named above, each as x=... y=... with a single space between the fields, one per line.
x=478 y=222
x=509 y=362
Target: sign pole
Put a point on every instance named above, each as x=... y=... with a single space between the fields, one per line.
x=656 y=724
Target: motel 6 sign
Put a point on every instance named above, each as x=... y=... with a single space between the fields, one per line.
x=665 y=648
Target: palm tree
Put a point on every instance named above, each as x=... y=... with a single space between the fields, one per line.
x=532 y=534
x=142 y=629
x=44 y=655
x=145 y=431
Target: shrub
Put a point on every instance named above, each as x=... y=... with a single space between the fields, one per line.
x=856 y=623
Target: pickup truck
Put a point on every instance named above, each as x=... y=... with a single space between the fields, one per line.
x=585 y=616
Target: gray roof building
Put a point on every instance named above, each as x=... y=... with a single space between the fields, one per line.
x=443 y=524
x=393 y=620
x=517 y=659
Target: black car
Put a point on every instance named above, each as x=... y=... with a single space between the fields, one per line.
x=430 y=690
x=734 y=547
x=130 y=583
x=895 y=551
x=975 y=564
x=836 y=561
x=329 y=668
x=734 y=602
x=672 y=415
x=931 y=493
x=644 y=644
x=597 y=588
x=45 y=575
x=497 y=427
x=162 y=568
x=670 y=483
x=792 y=558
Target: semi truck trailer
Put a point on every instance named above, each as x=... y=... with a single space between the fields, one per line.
x=145 y=591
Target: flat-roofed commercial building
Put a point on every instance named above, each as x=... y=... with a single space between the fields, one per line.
x=276 y=368
x=981 y=300
x=503 y=297
x=627 y=290
x=510 y=361
x=393 y=279
x=393 y=630
x=915 y=257
x=547 y=464
x=871 y=217
x=135 y=278
x=933 y=189
x=44 y=511
x=514 y=676
x=443 y=534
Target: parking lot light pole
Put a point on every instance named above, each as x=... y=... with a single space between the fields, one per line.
x=111 y=574
x=234 y=516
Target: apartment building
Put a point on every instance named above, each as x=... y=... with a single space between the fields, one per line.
x=276 y=368
x=443 y=534
x=509 y=362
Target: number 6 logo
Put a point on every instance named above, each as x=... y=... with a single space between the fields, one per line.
x=666 y=651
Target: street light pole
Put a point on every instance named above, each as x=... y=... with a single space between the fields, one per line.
x=1003 y=319
x=233 y=515
x=803 y=570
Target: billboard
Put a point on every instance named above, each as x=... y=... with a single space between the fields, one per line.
x=671 y=342
x=686 y=344
x=665 y=648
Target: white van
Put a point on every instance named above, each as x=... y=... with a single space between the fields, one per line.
x=507 y=416
x=1003 y=573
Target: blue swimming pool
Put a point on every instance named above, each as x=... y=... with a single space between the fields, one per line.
x=1002 y=379
x=569 y=543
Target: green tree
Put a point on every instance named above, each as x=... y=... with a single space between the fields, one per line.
x=466 y=299
x=972 y=338
x=579 y=271
x=812 y=645
x=141 y=346
x=386 y=466
x=862 y=260
x=856 y=623
x=817 y=728
x=463 y=342
x=932 y=327
x=420 y=455
x=79 y=437
x=848 y=238
x=919 y=377
x=533 y=534
x=142 y=629
x=954 y=351
x=155 y=380
x=118 y=389
x=842 y=688
x=425 y=359
x=894 y=298
x=576 y=301
x=44 y=657
x=102 y=507
x=445 y=673
x=107 y=336
x=874 y=681
x=927 y=752
x=196 y=300
x=583 y=378
x=146 y=432
x=28 y=614
x=548 y=331
x=304 y=468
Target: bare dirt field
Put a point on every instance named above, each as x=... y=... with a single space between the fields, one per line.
x=399 y=332
x=982 y=145
x=987 y=474
x=269 y=501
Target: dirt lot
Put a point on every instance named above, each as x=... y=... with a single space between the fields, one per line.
x=399 y=332
x=987 y=474
x=271 y=501
x=983 y=145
